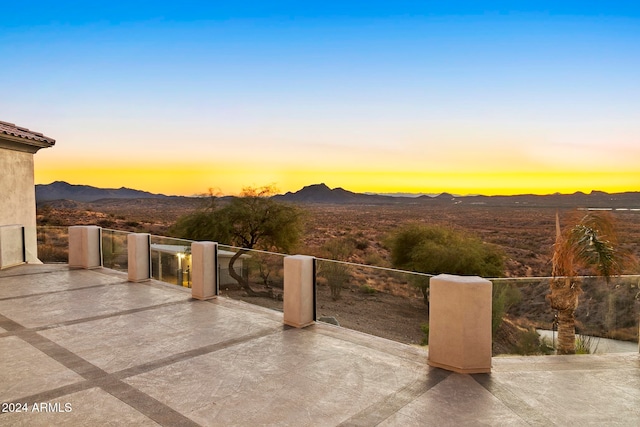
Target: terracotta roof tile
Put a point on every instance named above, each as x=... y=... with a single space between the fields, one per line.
x=20 y=132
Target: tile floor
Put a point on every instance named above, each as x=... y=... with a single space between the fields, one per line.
x=82 y=347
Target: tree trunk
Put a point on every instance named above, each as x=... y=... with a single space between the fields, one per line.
x=243 y=282
x=564 y=298
x=566 y=332
x=425 y=295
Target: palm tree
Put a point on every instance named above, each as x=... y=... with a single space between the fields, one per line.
x=590 y=244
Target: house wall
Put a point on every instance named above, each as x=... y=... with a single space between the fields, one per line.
x=18 y=197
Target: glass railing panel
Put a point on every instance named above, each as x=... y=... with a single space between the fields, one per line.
x=53 y=244
x=606 y=317
x=114 y=249
x=520 y=315
x=253 y=276
x=386 y=302
x=608 y=313
x=171 y=260
x=383 y=302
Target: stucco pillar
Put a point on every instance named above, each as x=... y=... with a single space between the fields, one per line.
x=12 y=246
x=204 y=270
x=299 y=309
x=460 y=323
x=139 y=256
x=85 y=246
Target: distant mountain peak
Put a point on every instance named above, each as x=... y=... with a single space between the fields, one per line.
x=446 y=196
x=322 y=186
x=61 y=190
x=321 y=193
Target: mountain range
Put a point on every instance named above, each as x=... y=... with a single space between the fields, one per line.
x=321 y=193
x=60 y=190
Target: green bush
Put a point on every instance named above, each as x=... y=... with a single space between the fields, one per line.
x=366 y=289
x=438 y=249
x=528 y=343
x=503 y=297
x=586 y=344
x=425 y=330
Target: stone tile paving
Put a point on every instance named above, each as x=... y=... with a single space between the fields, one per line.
x=90 y=348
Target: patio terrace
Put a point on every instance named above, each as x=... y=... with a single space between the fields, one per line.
x=86 y=347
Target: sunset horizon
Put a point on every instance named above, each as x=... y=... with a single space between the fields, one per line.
x=279 y=191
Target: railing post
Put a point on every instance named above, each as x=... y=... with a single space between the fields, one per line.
x=204 y=270
x=460 y=323
x=85 y=246
x=139 y=256
x=299 y=291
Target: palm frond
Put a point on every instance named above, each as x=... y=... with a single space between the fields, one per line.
x=589 y=244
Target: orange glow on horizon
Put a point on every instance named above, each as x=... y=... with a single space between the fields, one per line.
x=193 y=179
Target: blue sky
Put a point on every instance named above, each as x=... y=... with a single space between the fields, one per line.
x=464 y=97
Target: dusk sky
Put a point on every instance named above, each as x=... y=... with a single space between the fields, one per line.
x=392 y=96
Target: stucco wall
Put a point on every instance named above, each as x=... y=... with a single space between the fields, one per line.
x=17 y=195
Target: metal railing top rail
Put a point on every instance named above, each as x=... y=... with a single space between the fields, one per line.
x=156 y=236
x=117 y=231
x=525 y=278
x=253 y=250
x=176 y=239
x=376 y=267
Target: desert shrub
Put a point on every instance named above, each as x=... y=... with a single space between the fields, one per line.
x=106 y=223
x=52 y=221
x=586 y=344
x=503 y=297
x=360 y=244
x=546 y=347
x=528 y=342
x=422 y=283
x=336 y=274
x=366 y=289
x=338 y=249
x=512 y=338
x=46 y=215
x=53 y=244
x=53 y=253
x=438 y=249
x=425 y=330
x=373 y=258
x=268 y=268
